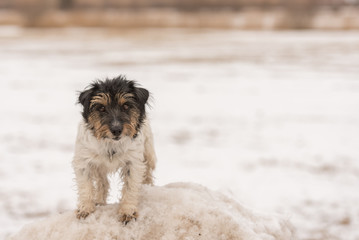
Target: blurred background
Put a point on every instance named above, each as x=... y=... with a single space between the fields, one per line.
x=243 y=14
x=258 y=99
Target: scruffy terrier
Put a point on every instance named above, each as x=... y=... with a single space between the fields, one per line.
x=114 y=134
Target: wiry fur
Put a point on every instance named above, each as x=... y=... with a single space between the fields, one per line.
x=101 y=150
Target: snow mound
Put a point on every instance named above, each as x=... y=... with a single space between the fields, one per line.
x=176 y=211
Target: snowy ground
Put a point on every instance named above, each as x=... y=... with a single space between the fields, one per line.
x=271 y=118
x=177 y=211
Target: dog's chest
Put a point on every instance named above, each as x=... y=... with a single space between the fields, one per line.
x=106 y=154
x=113 y=155
x=111 y=161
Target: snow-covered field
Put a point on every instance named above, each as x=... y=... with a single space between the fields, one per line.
x=271 y=118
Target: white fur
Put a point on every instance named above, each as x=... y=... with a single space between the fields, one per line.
x=95 y=158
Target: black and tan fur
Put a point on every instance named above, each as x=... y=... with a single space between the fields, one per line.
x=114 y=134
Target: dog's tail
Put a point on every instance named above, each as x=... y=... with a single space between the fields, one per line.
x=149 y=154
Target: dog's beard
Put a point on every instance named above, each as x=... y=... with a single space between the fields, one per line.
x=116 y=138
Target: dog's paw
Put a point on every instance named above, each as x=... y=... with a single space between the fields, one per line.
x=126 y=218
x=126 y=215
x=83 y=213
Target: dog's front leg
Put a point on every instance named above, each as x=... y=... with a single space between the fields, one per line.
x=101 y=185
x=132 y=176
x=85 y=190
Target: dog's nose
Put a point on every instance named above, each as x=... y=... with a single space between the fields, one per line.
x=116 y=130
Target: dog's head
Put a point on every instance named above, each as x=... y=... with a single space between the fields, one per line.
x=114 y=108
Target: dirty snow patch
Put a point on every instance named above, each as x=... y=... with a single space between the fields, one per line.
x=175 y=211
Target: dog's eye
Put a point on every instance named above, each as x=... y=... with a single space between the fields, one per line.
x=102 y=109
x=125 y=106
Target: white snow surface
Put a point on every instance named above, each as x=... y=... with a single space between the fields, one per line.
x=269 y=118
x=172 y=212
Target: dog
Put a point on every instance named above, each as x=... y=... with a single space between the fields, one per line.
x=113 y=134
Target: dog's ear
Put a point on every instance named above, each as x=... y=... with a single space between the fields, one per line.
x=84 y=99
x=85 y=96
x=142 y=95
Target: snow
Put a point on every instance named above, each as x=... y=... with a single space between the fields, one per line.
x=175 y=211
x=270 y=118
